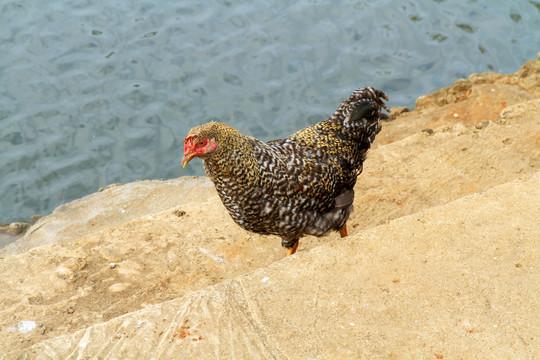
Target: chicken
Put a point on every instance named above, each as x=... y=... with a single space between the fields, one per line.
x=300 y=185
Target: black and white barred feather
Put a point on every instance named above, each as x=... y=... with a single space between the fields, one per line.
x=299 y=185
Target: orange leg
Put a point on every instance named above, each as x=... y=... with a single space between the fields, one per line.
x=294 y=247
x=343 y=231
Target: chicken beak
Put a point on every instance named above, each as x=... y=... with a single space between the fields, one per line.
x=187 y=158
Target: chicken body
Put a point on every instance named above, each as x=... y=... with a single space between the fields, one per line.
x=300 y=185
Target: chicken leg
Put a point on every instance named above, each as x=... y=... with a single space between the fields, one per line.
x=292 y=250
x=343 y=231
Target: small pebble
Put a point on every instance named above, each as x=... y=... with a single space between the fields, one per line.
x=484 y=124
x=64 y=273
x=17 y=228
x=25 y=326
x=112 y=265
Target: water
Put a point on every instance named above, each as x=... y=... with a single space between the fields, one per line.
x=100 y=92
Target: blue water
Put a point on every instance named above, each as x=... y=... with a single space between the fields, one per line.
x=101 y=92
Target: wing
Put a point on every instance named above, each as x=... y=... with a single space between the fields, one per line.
x=324 y=160
x=303 y=178
x=311 y=180
x=344 y=139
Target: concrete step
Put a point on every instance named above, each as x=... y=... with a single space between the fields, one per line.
x=70 y=284
x=459 y=280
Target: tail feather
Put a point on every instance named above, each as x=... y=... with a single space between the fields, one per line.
x=364 y=103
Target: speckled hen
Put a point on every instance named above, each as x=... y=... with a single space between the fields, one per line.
x=300 y=185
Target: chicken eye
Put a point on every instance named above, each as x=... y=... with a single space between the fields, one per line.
x=202 y=143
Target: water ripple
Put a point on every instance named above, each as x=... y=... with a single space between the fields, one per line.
x=92 y=94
